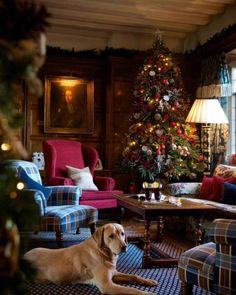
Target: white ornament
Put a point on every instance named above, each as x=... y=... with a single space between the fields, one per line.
x=136 y=115
x=149 y=152
x=157 y=116
x=152 y=73
x=166 y=97
x=159 y=132
x=144 y=148
x=174 y=146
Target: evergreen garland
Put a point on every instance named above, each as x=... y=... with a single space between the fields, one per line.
x=219 y=36
x=108 y=51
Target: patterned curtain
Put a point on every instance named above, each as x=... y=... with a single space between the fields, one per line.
x=215 y=82
x=219 y=138
x=214 y=78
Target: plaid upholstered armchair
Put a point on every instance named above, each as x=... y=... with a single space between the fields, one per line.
x=58 y=205
x=211 y=266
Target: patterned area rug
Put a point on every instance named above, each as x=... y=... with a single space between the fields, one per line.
x=129 y=262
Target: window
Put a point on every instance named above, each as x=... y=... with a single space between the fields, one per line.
x=231 y=111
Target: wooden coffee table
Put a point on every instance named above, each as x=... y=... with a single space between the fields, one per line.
x=155 y=211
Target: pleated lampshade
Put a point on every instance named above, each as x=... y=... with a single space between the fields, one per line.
x=207 y=111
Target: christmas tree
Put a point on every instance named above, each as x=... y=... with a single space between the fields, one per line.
x=22 y=24
x=159 y=144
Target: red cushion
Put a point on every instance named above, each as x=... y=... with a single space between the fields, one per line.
x=218 y=183
x=99 y=195
x=206 y=188
x=100 y=204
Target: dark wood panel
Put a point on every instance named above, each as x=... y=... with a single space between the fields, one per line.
x=114 y=80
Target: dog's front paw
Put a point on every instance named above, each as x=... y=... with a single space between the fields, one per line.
x=151 y=282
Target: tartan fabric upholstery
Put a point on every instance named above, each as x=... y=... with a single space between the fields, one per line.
x=30 y=168
x=212 y=266
x=60 y=195
x=40 y=200
x=223 y=233
x=196 y=266
x=61 y=212
x=68 y=217
x=64 y=195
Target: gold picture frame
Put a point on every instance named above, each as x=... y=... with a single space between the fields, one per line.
x=69 y=105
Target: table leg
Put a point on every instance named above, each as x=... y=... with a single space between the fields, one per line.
x=147 y=244
x=198 y=231
x=160 y=229
x=121 y=212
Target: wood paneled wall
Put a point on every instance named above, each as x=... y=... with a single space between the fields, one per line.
x=114 y=79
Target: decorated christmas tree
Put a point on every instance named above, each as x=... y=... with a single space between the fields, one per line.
x=22 y=25
x=159 y=144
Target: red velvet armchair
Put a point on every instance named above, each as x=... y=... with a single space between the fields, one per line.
x=61 y=153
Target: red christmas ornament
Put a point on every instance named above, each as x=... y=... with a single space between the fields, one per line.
x=158 y=152
x=166 y=116
x=152 y=106
x=201 y=158
x=172 y=124
x=176 y=104
x=157 y=96
x=179 y=131
x=146 y=165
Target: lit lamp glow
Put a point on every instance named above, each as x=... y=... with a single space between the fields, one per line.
x=206 y=111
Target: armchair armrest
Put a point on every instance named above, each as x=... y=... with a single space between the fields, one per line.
x=39 y=200
x=223 y=231
x=184 y=188
x=64 y=195
x=58 y=180
x=104 y=183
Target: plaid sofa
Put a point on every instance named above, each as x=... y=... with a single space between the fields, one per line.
x=60 y=211
x=211 y=266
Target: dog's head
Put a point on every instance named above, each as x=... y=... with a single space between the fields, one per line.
x=111 y=236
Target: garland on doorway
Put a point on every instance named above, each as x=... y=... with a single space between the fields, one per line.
x=108 y=51
x=216 y=38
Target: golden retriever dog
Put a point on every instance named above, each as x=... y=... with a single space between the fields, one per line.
x=91 y=262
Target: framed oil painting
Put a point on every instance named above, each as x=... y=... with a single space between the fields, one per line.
x=69 y=105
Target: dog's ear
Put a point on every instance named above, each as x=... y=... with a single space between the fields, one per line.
x=99 y=236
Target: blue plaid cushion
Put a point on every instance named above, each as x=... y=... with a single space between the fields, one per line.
x=64 y=195
x=196 y=266
x=68 y=217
